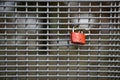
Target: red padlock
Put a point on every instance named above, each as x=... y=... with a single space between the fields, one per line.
x=77 y=37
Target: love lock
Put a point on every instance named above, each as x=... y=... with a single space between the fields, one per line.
x=78 y=37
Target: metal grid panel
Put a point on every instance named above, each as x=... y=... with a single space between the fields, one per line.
x=35 y=40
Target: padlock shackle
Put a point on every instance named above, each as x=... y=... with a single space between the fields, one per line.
x=77 y=28
x=73 y=29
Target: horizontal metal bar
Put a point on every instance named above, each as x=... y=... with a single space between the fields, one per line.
x=92 y=61
x=51 y=34
x=54 y=23
x=64 y=0
x=54 y=50
x=59 y=12
x=58 y=29
x=59 y=66
x=60 y=71
x=55 y=55
x=57 y=45
x=61 y=76
x=65 y=6
x=59 y=18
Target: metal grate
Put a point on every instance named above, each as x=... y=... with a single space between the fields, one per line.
x=35 y=40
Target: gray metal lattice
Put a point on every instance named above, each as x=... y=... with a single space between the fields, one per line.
x=35 y=40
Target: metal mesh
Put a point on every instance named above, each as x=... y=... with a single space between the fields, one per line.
x=35 y=40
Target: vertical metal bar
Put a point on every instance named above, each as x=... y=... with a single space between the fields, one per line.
x=48 y=32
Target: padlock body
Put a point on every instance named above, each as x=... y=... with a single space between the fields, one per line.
x=78 y=38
